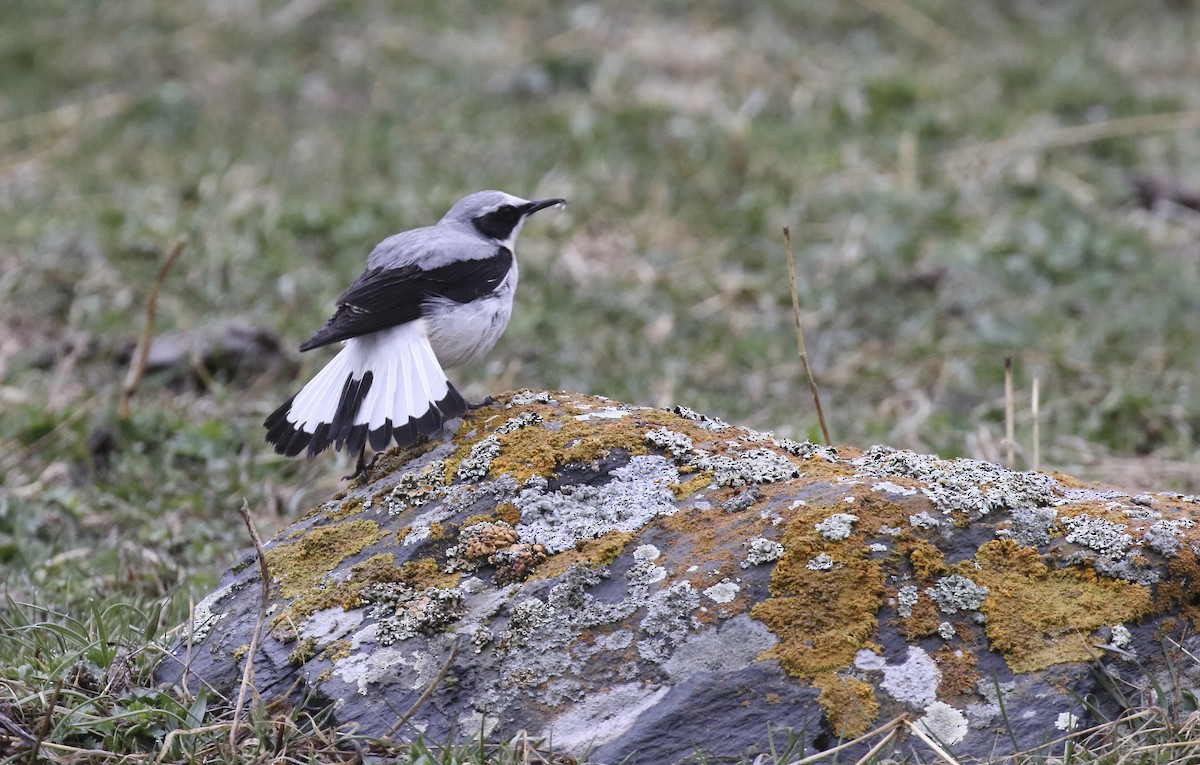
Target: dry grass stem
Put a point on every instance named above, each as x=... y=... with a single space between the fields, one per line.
x=1009 y=412
x=1035 y=411
x=137 y=366
x=929 y=742
x=916 y=24
x=63 y=118
x=812 y=383
x=879 y=745
x=1074 y=135
x=887 y=729
x=265 y=598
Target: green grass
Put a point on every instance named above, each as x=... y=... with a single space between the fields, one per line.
x=284 y=139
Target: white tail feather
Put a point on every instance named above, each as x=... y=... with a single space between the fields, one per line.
x=406 y=380
x=317 y=401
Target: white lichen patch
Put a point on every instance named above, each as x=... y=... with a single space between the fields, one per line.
x=946 y=631
x=1163 y=535
x=1031 y=527
x=204 y=615
x=956 y=593
x=415 y=489
x=702 y=420
x=821 y=562
x=761 y=551
x=877 y=547
x=805 y=449
x=1066 y=721
x=944 y=723
x=602 y=717
x=643 y=571
x=837 y=527
x=913 y=683
x=646 y=552
x=637 y=493
x=1121 y=637
x=723 y=591
x=923 y=520
x=893 y=488
x=477 y=724
x=607 y=413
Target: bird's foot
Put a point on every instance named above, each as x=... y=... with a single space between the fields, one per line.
x=362 y=467
x=485 y=403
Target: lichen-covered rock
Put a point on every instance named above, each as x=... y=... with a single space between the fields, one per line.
x=641 y=584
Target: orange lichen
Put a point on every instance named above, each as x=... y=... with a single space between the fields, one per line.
x=1037 y=617
x=822 y=618
x=849 y=703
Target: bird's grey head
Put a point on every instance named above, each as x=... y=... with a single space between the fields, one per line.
x=494 y=214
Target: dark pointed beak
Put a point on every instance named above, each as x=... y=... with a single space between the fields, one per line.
x=542 y=204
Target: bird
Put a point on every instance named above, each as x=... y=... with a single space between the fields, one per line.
x=430 y=298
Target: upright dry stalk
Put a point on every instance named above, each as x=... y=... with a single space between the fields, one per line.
x=812 y=383
x=1008 y=411
x=264 y=600
x=1037 y=439
x=137 y=365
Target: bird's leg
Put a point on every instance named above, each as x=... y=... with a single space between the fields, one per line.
x=362 y=465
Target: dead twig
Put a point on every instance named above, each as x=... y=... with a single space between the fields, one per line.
x=137 y=365
x=812 y=383
x=263 y=602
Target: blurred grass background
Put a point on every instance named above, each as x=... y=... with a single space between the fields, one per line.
x=958 y=180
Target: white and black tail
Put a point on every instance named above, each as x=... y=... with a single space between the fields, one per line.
x=383 y=386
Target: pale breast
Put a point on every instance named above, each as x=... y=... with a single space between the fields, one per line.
x=463 y=332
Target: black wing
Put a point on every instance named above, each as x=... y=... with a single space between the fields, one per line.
x=386 y=297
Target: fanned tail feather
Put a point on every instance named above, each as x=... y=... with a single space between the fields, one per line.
x=378 y=388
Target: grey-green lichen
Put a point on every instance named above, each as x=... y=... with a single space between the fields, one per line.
x=760 y=551
x=961 y=485
x=476 y=464
x=402 y=612
x=956 y=593
x=559 y=519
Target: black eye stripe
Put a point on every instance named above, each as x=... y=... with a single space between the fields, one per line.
x=499 y=223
